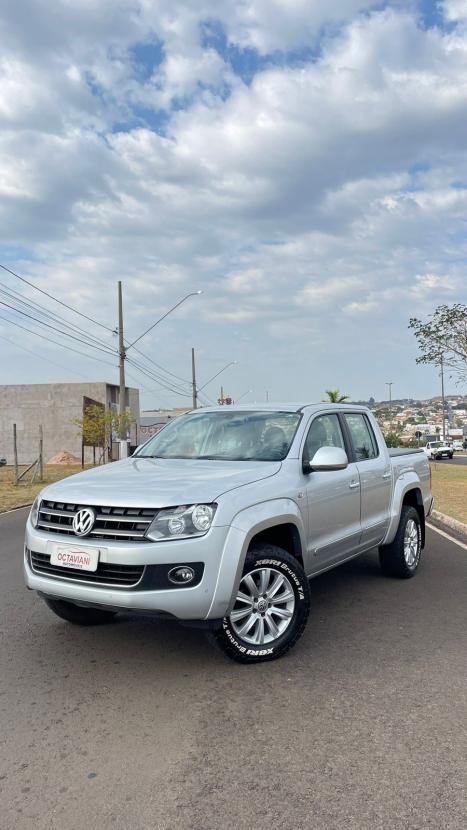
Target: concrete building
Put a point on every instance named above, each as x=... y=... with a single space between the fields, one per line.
x=152 y=420
x=55 y=406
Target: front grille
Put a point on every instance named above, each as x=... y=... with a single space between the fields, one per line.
x=118 y=523
x=107 y=573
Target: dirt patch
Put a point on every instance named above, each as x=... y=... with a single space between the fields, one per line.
x=64 y=458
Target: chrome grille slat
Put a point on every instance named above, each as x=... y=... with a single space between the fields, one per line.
x=127 y=576
x=135 y=519
x=107 y=531
x=118 y=523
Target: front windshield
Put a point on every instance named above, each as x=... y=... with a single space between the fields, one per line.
x=436 y=443
x=226 y=436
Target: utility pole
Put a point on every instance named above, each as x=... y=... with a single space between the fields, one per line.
x=123 y=446
x=221 y=399
x=390 y=402
x=443 y=398
x=193 y=380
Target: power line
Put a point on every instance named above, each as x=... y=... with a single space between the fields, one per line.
x=158 y=365
x=60 y=331
x=41 y=357
x=60 y=302
x=169 y=384
x=38 y=308
x=155 y=378
x=55 y=342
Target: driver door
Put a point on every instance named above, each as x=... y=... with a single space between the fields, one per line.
x=333 y=498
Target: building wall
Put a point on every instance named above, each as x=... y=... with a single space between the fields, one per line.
x=53 y=405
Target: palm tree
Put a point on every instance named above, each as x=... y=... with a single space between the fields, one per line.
x=334 y=396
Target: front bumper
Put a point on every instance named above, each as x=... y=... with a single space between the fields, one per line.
x=222 y=552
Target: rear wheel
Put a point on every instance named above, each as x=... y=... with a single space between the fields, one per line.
x=78 y=614
x=402 y=557
x=271 y=608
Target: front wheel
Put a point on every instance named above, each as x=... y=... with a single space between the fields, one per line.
x=271 y=607
x=402 y=557
x=78 y=614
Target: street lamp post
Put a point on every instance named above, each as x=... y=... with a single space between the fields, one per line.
x=198 y=389
x=243 y=395
x=389 y=384
x=122 y=353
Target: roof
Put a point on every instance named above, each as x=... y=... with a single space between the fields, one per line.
x=296 y=406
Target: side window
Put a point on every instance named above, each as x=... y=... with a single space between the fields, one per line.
x=325 y=431
x=363 y=440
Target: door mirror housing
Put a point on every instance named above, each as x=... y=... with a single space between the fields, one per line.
x=327 y=458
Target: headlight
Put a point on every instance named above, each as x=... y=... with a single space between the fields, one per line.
x=34 y=514
x=182 y=522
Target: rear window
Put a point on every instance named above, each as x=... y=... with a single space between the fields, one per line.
x=363 y=440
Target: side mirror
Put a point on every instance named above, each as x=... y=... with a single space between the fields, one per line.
x=327 y=458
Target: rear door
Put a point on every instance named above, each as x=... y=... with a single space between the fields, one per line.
x=333 y=498
x=374 y=469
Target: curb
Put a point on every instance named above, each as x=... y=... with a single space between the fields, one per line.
x=448 y=524
x=13 y=509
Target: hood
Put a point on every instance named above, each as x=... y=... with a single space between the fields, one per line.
x=158 y=482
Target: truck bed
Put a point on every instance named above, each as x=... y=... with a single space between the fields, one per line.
x=393 y=453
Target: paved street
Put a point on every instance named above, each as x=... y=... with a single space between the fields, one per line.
x=460 y=460
x=143 y=725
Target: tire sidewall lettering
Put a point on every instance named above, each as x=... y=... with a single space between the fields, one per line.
x=297 y=585
x=275 y=563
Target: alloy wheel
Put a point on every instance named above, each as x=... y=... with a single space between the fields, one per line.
x=411 y=543
x=264 y=606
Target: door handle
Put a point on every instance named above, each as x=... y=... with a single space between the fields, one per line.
x=353 y=485
x=387 y=475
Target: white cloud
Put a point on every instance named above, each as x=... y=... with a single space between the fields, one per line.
x=326 y=189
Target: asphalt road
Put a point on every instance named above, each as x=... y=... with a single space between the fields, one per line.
x=460 y=460
x=142 y=725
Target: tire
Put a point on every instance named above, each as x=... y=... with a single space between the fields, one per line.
x=77 y=614
x=269 y=568
x=450 y=455
x=402 y=557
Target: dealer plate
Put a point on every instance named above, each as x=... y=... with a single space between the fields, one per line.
x=79 y=557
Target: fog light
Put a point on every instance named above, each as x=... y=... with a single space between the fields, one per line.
x=182 y=575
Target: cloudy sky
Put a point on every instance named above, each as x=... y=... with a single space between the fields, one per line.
x=302 y=163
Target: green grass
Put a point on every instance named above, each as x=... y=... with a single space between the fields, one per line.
x=12 y=495
x=449 y=484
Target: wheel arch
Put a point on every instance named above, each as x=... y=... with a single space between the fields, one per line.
x=262 y=522
x=407 y=491
x=285 y=535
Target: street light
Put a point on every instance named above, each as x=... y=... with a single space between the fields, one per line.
x=122 y=350
x=232 y=363
x=243 y=395
x=389 y=384
x=191 y=294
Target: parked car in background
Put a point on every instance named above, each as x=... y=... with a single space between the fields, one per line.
x=438 y=449
x=221 y=519
x=2 y=462
x=457 y=445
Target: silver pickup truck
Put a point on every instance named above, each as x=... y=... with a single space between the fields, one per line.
x=222 y=518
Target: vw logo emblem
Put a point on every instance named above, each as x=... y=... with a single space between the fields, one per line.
x=83 y=521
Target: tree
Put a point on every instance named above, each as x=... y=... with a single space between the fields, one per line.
x=334 y=396
x=443 y=334
x=98 y=424
x=392 y=439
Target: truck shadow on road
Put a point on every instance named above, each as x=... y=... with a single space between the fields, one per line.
x=345 y=602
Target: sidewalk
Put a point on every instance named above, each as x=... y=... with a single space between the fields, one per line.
x=456 y=529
